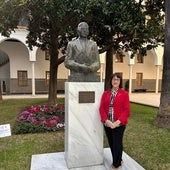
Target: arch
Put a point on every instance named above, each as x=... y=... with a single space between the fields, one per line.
x=158 y=54
x=4 y=58
x=21 y=36
x=4 y=72
x=33 y=54
x=18 y=34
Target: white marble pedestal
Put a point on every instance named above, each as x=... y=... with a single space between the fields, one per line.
x=84 y=130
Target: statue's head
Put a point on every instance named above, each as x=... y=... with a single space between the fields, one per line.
x=83 y=29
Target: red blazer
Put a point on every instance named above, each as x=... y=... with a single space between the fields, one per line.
x=121 y=106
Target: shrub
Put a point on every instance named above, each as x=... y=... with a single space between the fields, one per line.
x=41 y=118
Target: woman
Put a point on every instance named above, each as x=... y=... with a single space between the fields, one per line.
x=114 y=113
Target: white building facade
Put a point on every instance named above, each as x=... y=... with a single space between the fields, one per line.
x=25 y=71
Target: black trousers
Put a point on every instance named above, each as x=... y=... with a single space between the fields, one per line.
x=115 y=140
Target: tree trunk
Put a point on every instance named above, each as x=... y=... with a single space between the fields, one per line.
x=0 y=92
x=109 y=67
x=52 y=96
x=163 y=117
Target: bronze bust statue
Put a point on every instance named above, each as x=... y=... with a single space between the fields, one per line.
x=82 y=57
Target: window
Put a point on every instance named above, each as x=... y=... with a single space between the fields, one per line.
x=119 y=56
x=47 y=77
x=139 y=78
x=139 y=58
x=22 y=78
x=47 y=54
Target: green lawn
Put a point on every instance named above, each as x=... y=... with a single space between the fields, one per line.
x=146 y=143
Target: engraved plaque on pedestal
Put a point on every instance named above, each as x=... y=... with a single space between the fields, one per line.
x=86 y=97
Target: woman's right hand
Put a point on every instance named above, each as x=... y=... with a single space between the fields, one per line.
x=110 y=124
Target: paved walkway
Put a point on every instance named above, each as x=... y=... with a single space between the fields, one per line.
x=151 y=99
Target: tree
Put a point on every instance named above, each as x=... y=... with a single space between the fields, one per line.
x=127 y=25
x=51 y=25
x=163 y=116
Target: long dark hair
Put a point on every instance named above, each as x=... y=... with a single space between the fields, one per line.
x=118 y=76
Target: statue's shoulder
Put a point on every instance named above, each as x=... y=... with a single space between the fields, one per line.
x=92 y=43
x=73 y=42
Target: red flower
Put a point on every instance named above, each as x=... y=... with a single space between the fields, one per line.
x=60 y=107
x=50 y=123
x=35 y=109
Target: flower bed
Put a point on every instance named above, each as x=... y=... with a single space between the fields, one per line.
x=40 y=118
